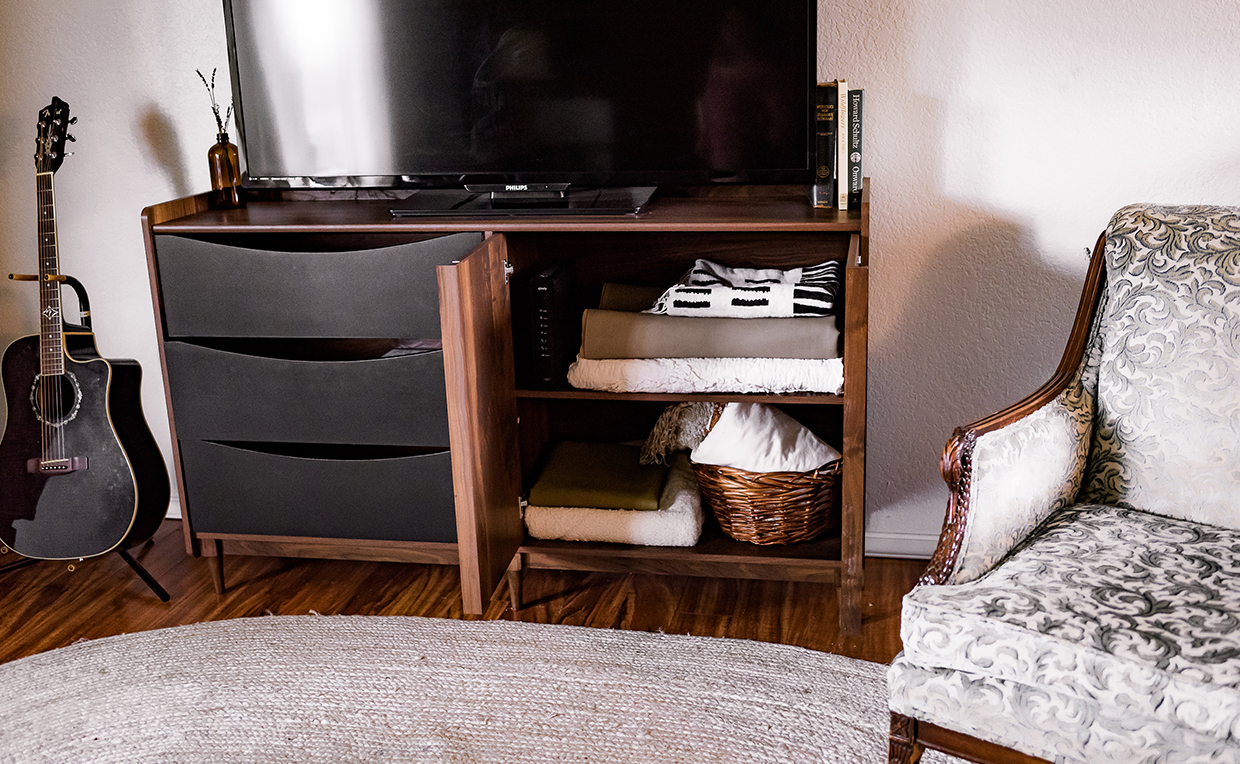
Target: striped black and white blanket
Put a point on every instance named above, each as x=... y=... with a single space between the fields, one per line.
x=713 y=290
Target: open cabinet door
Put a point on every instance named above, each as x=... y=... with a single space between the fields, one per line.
x=476 y=318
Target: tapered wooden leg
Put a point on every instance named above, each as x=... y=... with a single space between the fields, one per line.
x=216 y=565
x=902 y=745
x=514 y=584
x=850 y=605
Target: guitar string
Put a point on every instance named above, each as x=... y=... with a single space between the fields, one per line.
x=52 y=376
x=51 y=345
x=44 y=400
x=51 y=384
x=46 y=349
x=53 y=289
x=45 y=346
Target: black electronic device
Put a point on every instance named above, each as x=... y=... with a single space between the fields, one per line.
x=449 y=94
x=604 y=200
x=554 y=313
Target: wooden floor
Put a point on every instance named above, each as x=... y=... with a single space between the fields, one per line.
x=45 y=606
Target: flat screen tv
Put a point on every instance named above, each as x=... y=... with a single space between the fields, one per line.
x=442 y=94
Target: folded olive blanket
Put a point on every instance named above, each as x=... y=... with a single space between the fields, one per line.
x=622 y=334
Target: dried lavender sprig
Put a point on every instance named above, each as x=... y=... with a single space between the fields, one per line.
x=215 y=107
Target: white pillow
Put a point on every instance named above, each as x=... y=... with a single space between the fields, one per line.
x=761 y=438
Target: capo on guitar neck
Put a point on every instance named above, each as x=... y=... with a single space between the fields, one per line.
x=35 y=277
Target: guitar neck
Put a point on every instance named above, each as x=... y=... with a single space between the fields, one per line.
x=51 y=326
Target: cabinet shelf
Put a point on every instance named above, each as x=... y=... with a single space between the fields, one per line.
x=828 y=399
x=819 y=560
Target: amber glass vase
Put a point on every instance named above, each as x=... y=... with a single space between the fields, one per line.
x=225 y=173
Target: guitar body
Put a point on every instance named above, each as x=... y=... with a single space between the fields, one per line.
x=80 y=474
x=119 y=497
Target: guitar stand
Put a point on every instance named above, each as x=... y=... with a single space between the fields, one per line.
x=146 y=577
x=22 y=563
x=83 y=299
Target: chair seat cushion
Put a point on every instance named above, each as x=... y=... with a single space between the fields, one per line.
x=1134 y=613
x=1044 y=722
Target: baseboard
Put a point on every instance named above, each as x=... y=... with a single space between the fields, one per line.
x=915 y=546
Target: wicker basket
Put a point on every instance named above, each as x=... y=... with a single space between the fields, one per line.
x=771 y=507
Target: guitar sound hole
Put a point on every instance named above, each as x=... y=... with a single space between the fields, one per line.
x=57 y=399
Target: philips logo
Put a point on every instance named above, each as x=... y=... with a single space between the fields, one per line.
x=519 y=187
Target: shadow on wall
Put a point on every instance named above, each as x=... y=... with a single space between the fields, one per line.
x=985 y=325
x=18 y=302
x=163 y=147
x=17 y=132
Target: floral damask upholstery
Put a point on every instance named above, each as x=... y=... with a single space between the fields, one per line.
x=1091 y=610
x=1115 y=629
x=1042 y=721
x=1023 y=473
x=1167 y=430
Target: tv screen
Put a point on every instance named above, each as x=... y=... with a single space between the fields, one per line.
x=442 y=93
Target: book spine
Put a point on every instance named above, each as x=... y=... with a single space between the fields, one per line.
x=855 y=153
x=822 y=193
x=841 y=142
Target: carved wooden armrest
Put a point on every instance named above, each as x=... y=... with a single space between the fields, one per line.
x=1057 y=416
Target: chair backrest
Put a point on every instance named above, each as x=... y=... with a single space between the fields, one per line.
x=1166 y=349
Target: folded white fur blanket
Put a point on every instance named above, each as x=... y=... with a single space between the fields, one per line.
x=677 y=521
x=708 y=375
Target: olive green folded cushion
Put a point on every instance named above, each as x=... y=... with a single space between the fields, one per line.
x=620 y=334
x=630 y=297
x=598 y=475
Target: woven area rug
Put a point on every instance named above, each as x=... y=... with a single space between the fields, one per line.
x=405 y=689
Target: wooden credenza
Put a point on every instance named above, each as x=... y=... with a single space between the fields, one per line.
x=344 y=384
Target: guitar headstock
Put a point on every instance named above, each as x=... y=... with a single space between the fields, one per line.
x=49 y=147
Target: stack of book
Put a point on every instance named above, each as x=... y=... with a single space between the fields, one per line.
x=838 y=146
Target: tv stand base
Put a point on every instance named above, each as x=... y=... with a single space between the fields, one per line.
x=616 y=200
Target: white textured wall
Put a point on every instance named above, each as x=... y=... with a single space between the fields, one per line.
x=126 y=69
x=1000 y=136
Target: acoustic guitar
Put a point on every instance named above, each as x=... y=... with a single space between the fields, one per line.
x=80 y=473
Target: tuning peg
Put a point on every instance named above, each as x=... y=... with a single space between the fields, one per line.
x=73 y=120
x=69 y=153
x=69 y=137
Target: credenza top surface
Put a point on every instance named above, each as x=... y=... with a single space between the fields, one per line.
x=751 y=211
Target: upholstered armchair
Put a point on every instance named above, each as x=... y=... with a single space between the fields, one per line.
x=1083 y=604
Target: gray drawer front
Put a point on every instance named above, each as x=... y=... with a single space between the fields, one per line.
x=218 y=395
x=236 y=490
x=215 y=290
